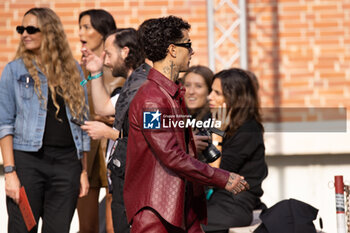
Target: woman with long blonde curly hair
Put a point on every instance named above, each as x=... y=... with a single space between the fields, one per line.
x=43 y=151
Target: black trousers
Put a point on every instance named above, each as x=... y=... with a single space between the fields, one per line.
x=51 y=178
x=226 y=211
x=120 y=222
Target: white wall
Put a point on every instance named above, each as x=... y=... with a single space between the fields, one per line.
x=307 y=178
x=302 y=165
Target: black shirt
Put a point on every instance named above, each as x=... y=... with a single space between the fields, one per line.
x=57 y=129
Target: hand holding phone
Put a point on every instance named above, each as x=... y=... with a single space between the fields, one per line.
x=76 y=121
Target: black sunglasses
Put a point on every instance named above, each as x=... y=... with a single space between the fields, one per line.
x=29 y=29
x=187 y=45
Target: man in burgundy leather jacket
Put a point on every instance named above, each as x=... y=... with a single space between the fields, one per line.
x=163 y=180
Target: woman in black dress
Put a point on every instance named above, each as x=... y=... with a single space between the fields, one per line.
x=234 y=100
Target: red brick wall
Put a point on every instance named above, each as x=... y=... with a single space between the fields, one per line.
x=299 y=49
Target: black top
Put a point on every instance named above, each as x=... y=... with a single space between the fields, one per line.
x=57 y=130
x=244 y=153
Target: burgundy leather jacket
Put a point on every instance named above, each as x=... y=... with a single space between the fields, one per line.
x=159 y=173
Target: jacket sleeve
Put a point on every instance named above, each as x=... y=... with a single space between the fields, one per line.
x=164 y=144
x=7 y=102
x=86 y=138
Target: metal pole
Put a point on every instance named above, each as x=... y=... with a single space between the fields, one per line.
x=243 y=35
x=211 y=43
x=339 y=203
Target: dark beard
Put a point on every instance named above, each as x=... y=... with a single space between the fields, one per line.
x=120 y=71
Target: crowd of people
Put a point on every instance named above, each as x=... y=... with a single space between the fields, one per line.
x=69 y=128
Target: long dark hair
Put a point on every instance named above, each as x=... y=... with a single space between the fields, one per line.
x=241 y=97
x=101 y=21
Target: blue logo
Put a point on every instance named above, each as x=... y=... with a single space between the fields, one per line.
x=151 y=120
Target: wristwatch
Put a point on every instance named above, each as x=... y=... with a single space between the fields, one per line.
x=9 y=169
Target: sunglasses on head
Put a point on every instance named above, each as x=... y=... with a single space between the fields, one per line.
x=29 y=29
x=187 y=45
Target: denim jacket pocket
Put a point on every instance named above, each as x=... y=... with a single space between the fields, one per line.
x=26 y=86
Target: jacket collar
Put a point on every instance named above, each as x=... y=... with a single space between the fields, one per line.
x=168 y=85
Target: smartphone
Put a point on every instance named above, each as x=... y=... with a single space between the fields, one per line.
x=76 y=121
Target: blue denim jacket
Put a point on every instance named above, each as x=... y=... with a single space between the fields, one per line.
x=21 y=113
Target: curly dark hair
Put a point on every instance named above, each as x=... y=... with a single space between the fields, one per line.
x=160 y=33
x=127 y=37
x=141 y=32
